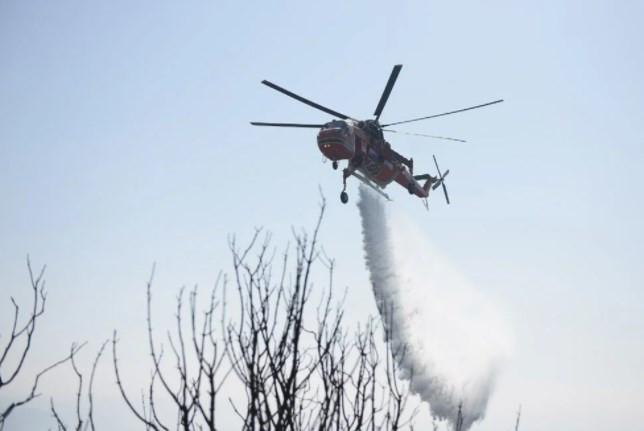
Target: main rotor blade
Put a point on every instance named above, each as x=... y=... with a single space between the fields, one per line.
x=308 y=102
x=424 y=136
x=310 y=126
x=387 y=91
x=445 y=113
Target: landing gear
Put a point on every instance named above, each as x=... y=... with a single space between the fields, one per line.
x=335 y=165
x=344 y=197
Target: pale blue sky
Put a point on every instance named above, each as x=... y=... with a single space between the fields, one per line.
x=124 y=139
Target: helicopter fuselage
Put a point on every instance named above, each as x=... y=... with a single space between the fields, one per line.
x=363 y=146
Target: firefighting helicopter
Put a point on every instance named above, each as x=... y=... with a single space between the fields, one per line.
x=370 y=157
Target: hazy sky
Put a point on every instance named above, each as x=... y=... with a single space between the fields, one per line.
x=124 y=140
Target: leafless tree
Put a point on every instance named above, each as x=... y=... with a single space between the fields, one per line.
x=198 y=359
x=299 y=367
x=302 y=373
x=14 y=353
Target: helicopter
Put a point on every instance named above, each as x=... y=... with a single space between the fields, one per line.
x=369 y=155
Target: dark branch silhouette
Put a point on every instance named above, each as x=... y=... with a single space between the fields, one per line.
x=20 y=342
x=299 y=367
x=198 y=364
x=83 y=422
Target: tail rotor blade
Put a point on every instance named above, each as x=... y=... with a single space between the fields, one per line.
x=445 y=190
x=440 y=175
x=441 y=181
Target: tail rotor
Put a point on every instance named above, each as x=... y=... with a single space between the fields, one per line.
x=441 y=180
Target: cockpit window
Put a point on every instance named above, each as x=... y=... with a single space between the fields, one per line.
x=338 y=124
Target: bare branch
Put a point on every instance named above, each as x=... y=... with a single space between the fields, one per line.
x=33 y=393
x=119 y=383
x=20 y=341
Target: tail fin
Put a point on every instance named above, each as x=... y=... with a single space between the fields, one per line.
x=429 y=180
x=428 y=184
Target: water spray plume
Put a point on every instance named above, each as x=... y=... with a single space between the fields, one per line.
x=452 y=337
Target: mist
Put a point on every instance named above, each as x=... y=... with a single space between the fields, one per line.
x=450 y=339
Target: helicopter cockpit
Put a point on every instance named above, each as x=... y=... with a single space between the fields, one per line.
x=337 y=124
